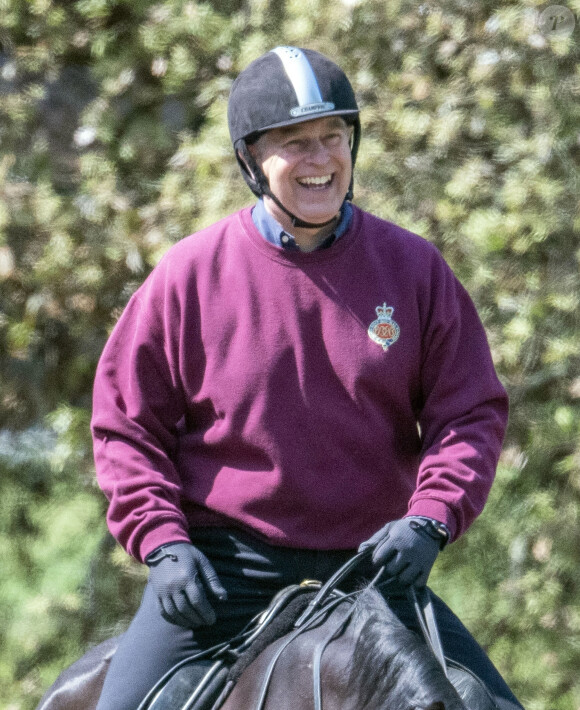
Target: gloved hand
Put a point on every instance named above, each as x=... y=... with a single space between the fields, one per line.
x=407 y=549
x=182 y=576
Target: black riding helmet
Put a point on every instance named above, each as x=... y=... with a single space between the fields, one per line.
x=285 y=86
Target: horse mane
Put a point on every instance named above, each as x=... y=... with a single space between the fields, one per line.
x=391 y=661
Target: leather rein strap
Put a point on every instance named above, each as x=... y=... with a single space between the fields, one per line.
x=423 y=604
x=309 y=623
x=325 y=601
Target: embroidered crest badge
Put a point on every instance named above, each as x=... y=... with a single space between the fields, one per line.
x=384 y=330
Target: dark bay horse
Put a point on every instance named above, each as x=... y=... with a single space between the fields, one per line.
x=358 y=656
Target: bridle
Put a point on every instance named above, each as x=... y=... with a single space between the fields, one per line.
x=327 y=600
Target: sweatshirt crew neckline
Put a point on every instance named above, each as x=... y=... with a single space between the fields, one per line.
x=299 y=258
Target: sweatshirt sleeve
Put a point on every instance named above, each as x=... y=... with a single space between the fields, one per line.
x=137 y=405
x=463 y=410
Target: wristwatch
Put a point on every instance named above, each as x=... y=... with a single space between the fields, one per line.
x=435 y=529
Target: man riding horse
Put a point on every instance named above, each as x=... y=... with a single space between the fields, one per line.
x=293 y=383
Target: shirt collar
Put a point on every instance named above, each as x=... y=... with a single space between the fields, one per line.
x=274 y=233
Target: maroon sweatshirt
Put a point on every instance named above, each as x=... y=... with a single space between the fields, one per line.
x=306 y=397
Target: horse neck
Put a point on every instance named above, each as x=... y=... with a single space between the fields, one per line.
x=375 y=663
x=391 y=666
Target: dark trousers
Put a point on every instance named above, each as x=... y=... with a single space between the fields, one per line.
x=252 y=572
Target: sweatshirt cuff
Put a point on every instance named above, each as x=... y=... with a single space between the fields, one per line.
x=163 y=534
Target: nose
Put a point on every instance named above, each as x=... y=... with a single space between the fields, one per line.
x=318 y=152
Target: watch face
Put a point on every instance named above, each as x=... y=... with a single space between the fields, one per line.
x=443 y=533
x=438 y=530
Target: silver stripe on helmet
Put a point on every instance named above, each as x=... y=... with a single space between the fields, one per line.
x=303 y=80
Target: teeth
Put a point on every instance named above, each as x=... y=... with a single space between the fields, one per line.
x=316 y=180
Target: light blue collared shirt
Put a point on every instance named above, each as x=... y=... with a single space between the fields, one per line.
x=273 y=232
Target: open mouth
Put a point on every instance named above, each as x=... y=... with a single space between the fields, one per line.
x=316 y=183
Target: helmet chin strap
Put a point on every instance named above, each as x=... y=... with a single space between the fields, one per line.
x=260 y=186
x=296 y=221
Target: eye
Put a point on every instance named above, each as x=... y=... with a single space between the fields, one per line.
x=296 y=145
x=334 y=138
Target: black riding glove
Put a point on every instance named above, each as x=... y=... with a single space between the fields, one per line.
x=182 y=576
x=407 y=549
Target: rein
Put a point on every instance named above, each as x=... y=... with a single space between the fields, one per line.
x=424 y=609
x=308 y=624
x=327 y=600
x=317 y=660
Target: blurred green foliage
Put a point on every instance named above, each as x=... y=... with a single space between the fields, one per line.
x=114 y=145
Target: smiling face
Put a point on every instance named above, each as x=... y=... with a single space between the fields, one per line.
x=308 y=166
